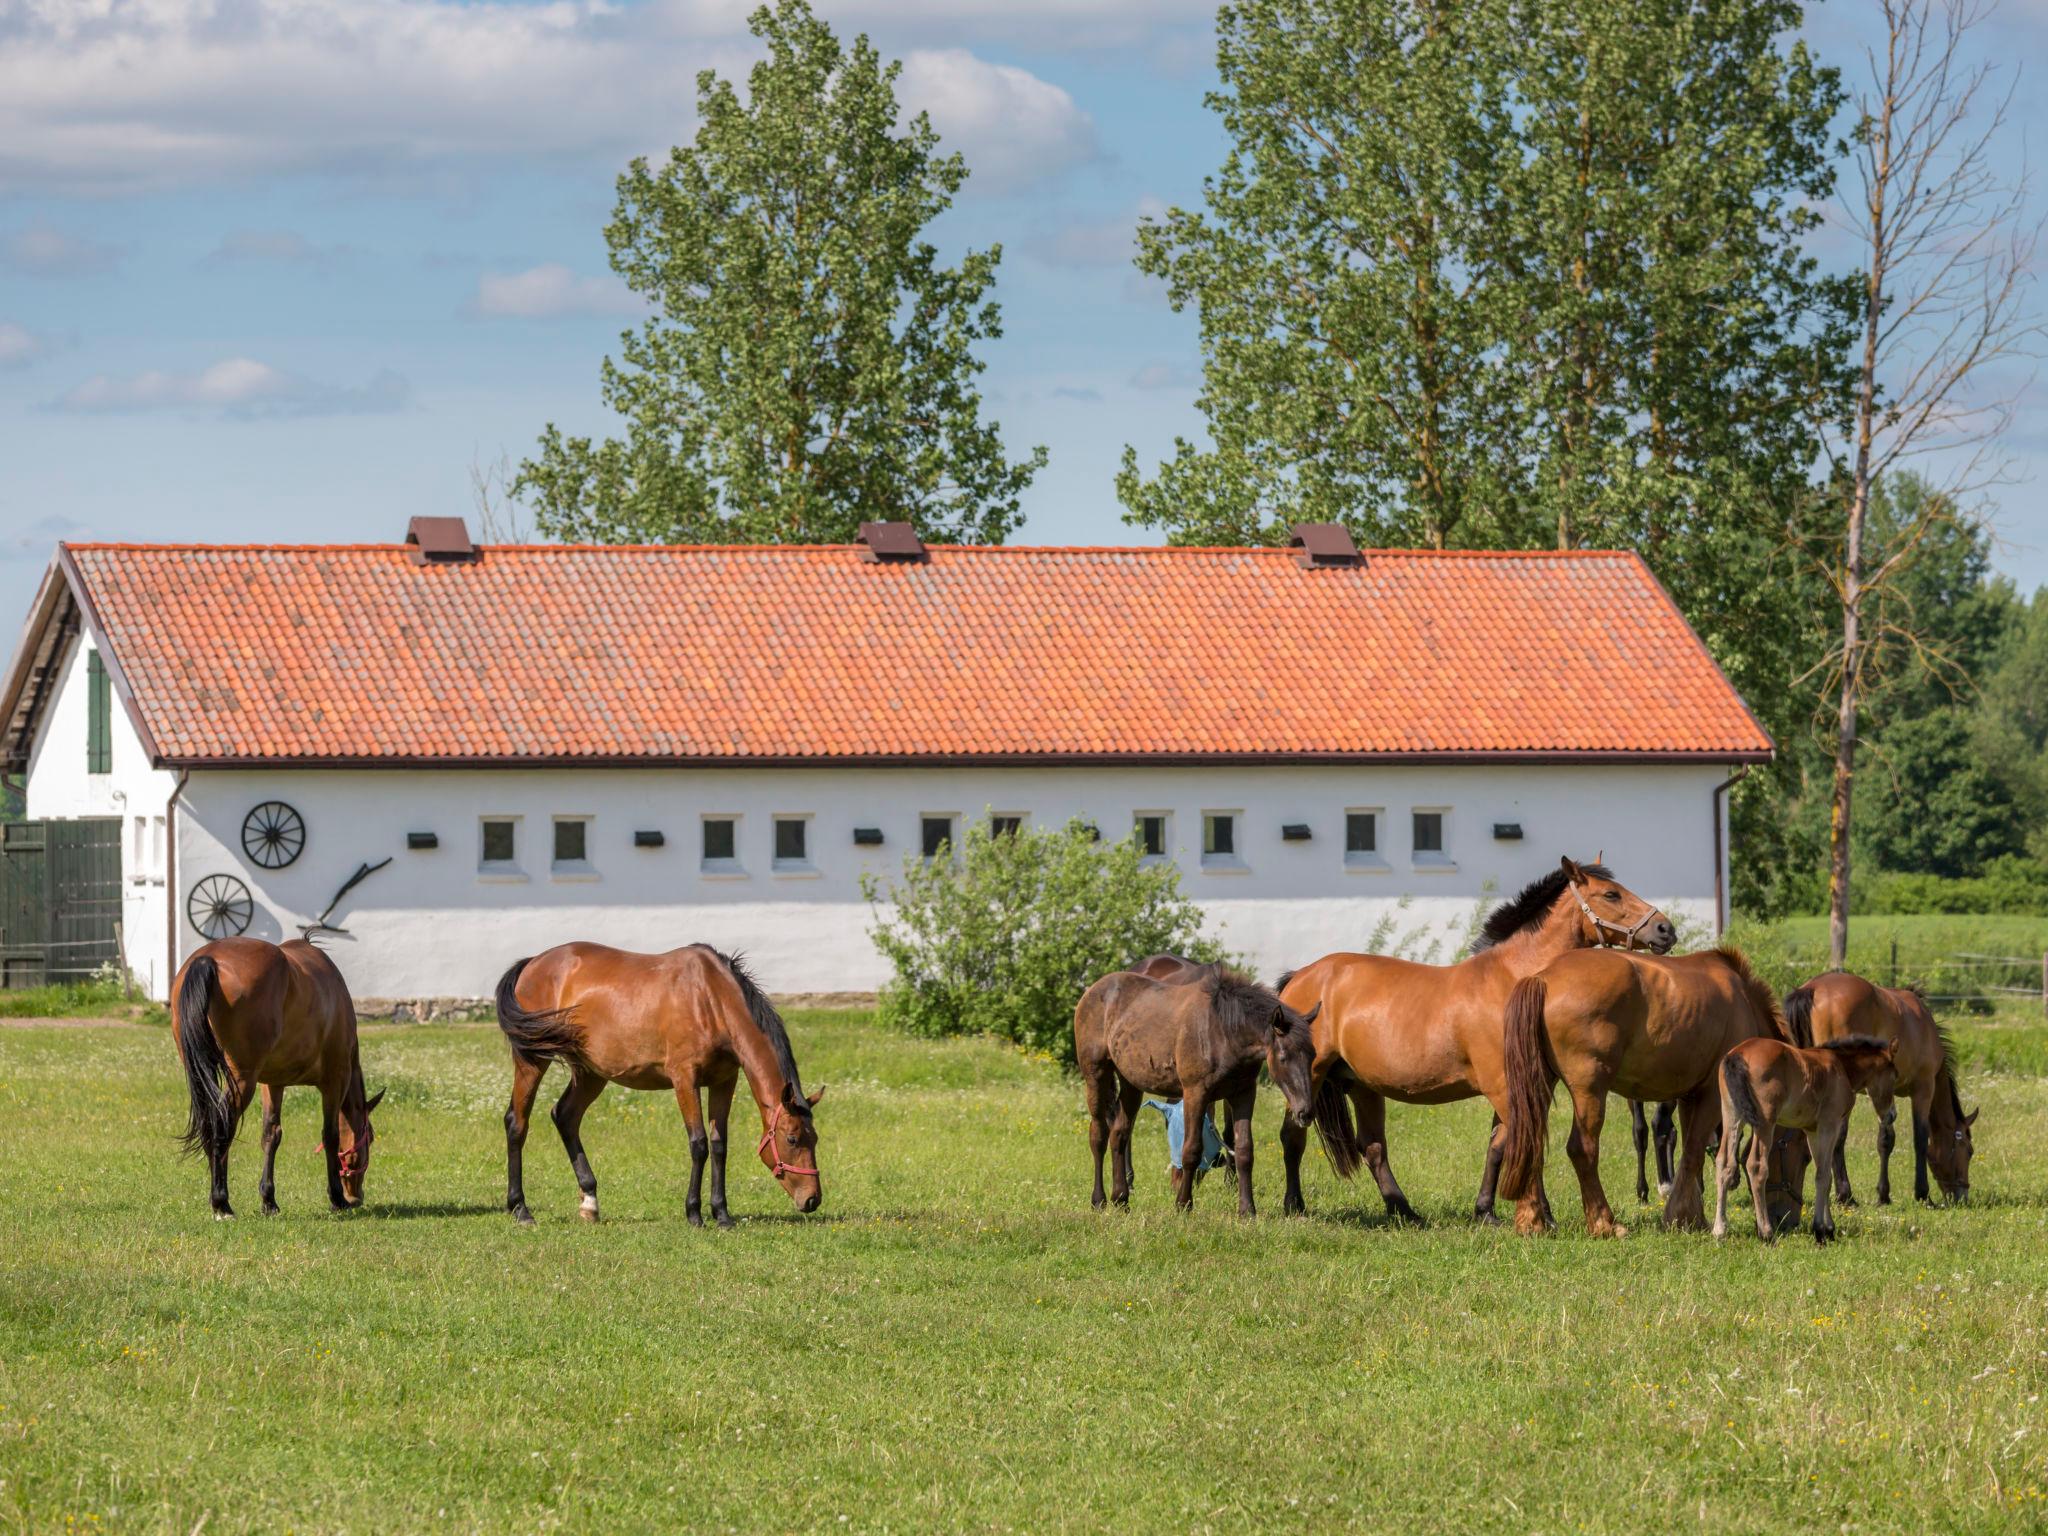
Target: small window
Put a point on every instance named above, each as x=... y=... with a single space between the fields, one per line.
x=99 y=718
x=721 y=844
x=1004 y=824
x=935 y=835
x=1361 y=832
x=1151 y=829
x=501 y=841
x=792 y=842
x=1429 y=831
x=1219 y=840
x=572 y=840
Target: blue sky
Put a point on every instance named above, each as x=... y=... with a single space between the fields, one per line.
x=286 y=269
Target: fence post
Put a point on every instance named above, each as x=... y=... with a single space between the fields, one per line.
x=1895 y=962
x=2044 y=981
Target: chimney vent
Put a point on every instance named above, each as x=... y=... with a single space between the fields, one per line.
x=1325 y=546
x=891 y=544
x=440 y=541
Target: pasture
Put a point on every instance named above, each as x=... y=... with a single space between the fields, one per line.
x=955 y=1342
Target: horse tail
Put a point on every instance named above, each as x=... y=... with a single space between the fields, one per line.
x=546 y=1034
x=1531 y=1079
x=1741 y=1091
x=210 y=1123
x=1799 y=1015
x=1334 y=1128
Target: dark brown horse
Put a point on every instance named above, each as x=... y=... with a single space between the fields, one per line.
x=1767 y=1084
x=1649 y=1027
x=1841 y=1004
x=1199 y=1042
x=691 y=1020
x=247 y=1013
x=1430 y=1034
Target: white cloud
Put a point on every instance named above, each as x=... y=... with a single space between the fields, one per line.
x=1162 y=375
x=542 y=293
x=1089 y=243
x=286 y=247
x=20 y=346
x=103 y=97
x=237 y=387
x=41 y=251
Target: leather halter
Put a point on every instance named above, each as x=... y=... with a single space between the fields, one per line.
x=779 y=1167
x=1603 y=926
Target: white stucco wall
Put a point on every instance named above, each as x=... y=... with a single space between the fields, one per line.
x=57 y=787
x=433 y=924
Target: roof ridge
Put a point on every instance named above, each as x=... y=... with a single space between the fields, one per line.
x=150 y=546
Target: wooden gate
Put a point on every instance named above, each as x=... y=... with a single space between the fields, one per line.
x=60 y=899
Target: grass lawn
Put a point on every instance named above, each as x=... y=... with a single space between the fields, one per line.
x=956 y=1342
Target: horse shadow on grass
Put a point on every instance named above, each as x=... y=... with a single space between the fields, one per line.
x=414 y=1210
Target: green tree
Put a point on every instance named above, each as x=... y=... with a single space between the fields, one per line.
x=812 y=363
x=1931 y=805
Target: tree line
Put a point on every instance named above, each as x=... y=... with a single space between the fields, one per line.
x=1483 y=274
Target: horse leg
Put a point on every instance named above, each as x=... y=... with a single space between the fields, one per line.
x=1293 y=1142
x=526 y=1076
x=1727 y=1164
x=1887 y=1139
x=1371 y=1109
x=1664 y=1133
x=582 y=1092
x=1639 y=1132
x=1489 y=1176
x=1698 y=1112
x=1582 y=1146
x=692 y=1106
x=1821 y=1142
x=1194 y=1103
x=720 y=1097
x=239 y=1092
x=1101 y=1090
x=1240 y=1121
x=1127 y=1101
x=1759 y=1161
x=273 y=1133
x=330 y=1144
x=1923 y=1110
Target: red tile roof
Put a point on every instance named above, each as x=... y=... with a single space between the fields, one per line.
x=355 y=653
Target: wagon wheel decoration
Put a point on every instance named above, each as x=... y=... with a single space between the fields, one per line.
x=273 y=834
x=219 y=907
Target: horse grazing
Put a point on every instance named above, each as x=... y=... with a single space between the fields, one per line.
x=1840 y=1004
x=1430 y=1034
x=1767 y=1084
x=247 y=1013
x=691 y=1020
x=1196 y=1041
x=1649 y=1027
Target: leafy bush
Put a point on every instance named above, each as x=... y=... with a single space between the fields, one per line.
x=2007 y=884
x=1004 y=937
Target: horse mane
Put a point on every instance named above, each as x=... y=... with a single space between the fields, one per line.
x=1850 y=1045
x=1761 y=997
x=1242 y=1003
x=1530 y=907
x=768 y=1021
x=1281 y=984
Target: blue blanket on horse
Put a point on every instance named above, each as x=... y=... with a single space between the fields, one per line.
x=1176 y=1122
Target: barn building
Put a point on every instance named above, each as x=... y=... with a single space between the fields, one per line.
x=506 y=747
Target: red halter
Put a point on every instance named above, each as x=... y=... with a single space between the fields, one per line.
x=779 y=1167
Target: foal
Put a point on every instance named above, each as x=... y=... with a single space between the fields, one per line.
x=1197 y=1041
x=1766 y=1084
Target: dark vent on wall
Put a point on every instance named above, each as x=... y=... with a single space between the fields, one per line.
x=1508 y=831
x=867 y=837
x=891 y=544
x=1325 y=545
x=440 y=541
x=645 y=839
x=418 y=840
x=1294 y=832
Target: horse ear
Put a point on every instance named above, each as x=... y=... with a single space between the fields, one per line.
x=1572 y=872
x=813 y=1097
x=371 y=1107
x=1971 y=1117
x=789 y=1095
x=1314 y=1008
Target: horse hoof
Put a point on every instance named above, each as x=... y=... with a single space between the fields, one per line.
x=223 y=1215
x=1486 y=1218
x=270 y=1208
x=1406 y=1215
x=588 y=1209
x=1663 y=1193
x=725 y=1222
x=522 y=1215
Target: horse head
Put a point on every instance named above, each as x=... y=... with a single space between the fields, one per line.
x=789 y=1146
x=356 y=1135
x=1291 y=1055
x=1611 y=915
x=1950 y=1144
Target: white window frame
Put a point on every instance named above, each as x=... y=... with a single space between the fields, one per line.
x=734 y=868
x=1165 y=853
x=1437 y=861
x=1231 y=863
x=571 y=871
x=1374 y=862
x=799 y=869
x=500 y=871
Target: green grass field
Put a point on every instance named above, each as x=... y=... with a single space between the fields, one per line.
x=956 y=1342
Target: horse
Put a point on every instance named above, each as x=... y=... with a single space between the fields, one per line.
x=1430 y=1034
x=691 y=1020
x=1198 y=1041
x=247 y=1013
x=1180 y=971
x=1649 y=1027
x=1663 y=1135
x=1767 y=1084
x=1839 y=1004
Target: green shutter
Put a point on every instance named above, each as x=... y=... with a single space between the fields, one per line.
x=99 y=724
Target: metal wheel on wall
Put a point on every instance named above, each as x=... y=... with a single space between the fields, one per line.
x=220 y=907
x=273 y=834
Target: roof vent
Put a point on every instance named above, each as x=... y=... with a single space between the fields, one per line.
x=440 y=541
x=892 y=544
x=1324 y=545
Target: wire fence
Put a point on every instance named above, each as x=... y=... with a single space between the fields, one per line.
x=1965 y=978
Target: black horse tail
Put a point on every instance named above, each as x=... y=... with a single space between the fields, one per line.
x=1531 y=1081
x=1799 y=1015
x=1742 y=1093
x=548 y=1034
x=1334 y=1128
x=210 y=1125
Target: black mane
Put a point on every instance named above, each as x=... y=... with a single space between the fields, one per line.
x=768 y=1021
x=1241 y=1002
x=1854 y=1043
x=1530 y=908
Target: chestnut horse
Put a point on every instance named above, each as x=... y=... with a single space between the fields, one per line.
x=247 y=1013
x=1202 y=1042
x=1430 y=1034
x=1766 y=1084
x=1649 y=1027
x=1840 y=1004
x=691 y=1020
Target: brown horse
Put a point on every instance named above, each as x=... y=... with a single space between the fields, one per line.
x=1430 y=1034
x=1766 y=1084
x=1197 y=1041
x=247 y=1013
x=691 y=1020
x=1840 y=1004
x=1649 y=1027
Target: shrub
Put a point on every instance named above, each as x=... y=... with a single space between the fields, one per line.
x=1005 y=936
